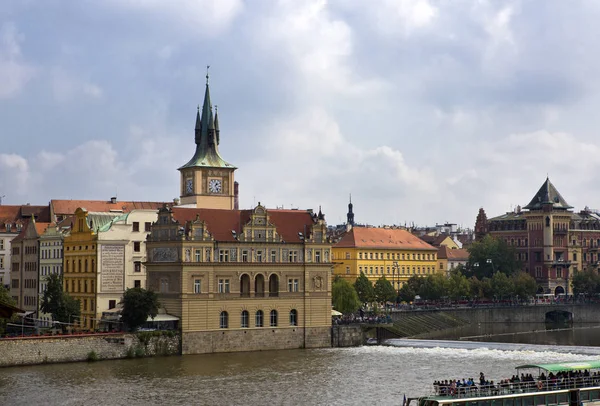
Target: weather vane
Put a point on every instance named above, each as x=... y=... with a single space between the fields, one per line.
x=207 y=67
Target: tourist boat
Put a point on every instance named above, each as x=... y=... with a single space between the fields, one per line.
x=578 y=383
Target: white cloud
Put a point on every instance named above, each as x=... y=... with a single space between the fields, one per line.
x=15 y=73
x=67 y=86
x=208 y=17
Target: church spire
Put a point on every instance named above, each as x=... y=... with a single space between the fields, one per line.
x=207 y=136
x=217 y=131
x=350 y=215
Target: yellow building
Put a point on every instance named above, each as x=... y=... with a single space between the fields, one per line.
x=243 y=280
x=80 y=266
x=376 y=252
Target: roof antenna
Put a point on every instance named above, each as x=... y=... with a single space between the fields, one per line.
x=2 y=197
x=207 y=67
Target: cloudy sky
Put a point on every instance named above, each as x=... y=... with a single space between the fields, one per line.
x=424 y=110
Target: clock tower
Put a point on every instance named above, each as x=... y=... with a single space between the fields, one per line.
x=207 y=179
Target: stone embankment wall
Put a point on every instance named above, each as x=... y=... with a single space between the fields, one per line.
x=205 y=342
x=56 y=349
x=582 y=313
x=347 y=336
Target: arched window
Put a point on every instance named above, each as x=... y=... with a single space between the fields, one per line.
x=273 y=286
x=245 y=317
x=224 y=320
x=273 y=318
x=245 y=285
x=259 y=286
x=293 y=317
x=258 y=321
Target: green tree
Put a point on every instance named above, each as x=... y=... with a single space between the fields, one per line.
x=586 y=283
x=410 y=289
x=491 y=255
x=458 y=285
x=344 y=296
x=5 y=298
x=434 y=287
x=502 y=285
x=524 y=284
x=364 y=289
x=481 y=289
x=58 y=303
x=138 y=304
x=384 y=291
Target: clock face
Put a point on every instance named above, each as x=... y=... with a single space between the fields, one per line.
x=214 y=186
x=189 y=186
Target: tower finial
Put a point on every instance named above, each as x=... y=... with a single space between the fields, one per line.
x=207 y=67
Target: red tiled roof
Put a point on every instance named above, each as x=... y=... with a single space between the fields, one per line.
x=458 y=255
x=40 y=228
x=453 y=255
x=17 y=214
x=220 y=223
x=385 y=238
x=66 y=207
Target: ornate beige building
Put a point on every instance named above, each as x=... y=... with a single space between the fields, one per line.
x=238 y=280
x=243 y=280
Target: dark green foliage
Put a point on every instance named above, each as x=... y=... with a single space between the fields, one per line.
x=586 y=283
x=384 y=291
x=58 y=303
x=92 y=356
x=364 y=289
x=491 y=255
x=344 y=296
x=138 y=304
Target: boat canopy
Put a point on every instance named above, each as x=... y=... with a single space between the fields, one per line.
x=564 y=366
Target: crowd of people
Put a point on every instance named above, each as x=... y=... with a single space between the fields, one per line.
x=516 y=384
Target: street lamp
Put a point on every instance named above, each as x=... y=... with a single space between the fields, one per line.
x=489 y=261
x=395 y=268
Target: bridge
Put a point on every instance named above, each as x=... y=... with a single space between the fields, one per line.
x=577 y=313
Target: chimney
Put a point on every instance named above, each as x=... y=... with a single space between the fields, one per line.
x=113 y=199
x=236 y=195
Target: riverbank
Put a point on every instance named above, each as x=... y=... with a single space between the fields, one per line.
x=87 y=347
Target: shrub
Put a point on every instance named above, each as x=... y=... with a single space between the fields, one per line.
x=92 y=356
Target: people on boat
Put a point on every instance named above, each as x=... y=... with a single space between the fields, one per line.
x=516 y=384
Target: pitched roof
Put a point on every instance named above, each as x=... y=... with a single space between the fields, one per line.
x=548 y=195
x=220 y=223
x=435 y=240
x=40 y=228
x=385 y=238
x=66 y=207
x=17 y=214
x=452 y=254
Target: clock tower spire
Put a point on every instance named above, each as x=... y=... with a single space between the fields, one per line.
x=207 y=180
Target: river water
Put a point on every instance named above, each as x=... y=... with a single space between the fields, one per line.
x=370 y=375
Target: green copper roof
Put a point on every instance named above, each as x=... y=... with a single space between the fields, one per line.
x=207 y=139
x=548 y=195
x=97 y=221
x=106 y=226
x=564 y=366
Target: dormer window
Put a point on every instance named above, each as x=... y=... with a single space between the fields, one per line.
x=7 y=225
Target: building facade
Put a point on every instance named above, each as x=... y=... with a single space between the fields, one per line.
x=50 y=262
x=243 y=280
x=80 y=267
x=121 y=257
x=25 y=266
x=451 y=258
x=12 y=219
x=552 y=241
x=394 y=253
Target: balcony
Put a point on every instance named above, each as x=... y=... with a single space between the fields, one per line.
x=561 y=262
